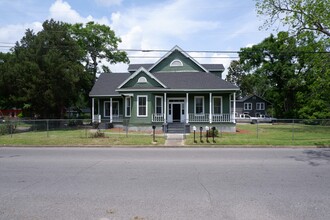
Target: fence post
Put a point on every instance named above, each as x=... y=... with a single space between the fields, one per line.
x=47 y=126
x=11 y=129
x=292 y=130
x=257 y=129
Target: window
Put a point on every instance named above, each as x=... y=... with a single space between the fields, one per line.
x=176 y=63
x=115 y=108
x=159 y=105
x=142 y=79
x=199 y=105
x=248 y=106
x=217 y=105
x=142 y=110
x=127 y=106
x=260 y=106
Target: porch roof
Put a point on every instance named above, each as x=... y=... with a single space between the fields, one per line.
x=107 y=84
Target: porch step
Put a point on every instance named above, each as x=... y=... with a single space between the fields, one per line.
x=175 y=128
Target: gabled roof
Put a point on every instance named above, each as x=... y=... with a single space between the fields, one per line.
x=248 y=97
x=214 y=67
x=107 y=84
x=194 y=81
x=210 y=67
x=141 y=69
x=135 y=67
x=182 y=52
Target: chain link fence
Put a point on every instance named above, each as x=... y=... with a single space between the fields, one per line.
x=278 y=131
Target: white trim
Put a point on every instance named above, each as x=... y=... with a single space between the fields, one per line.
x=203 y=98
x=181 y=51
x=174 y=63
x=165 y=108
x=249 y=104
x=138 y=105
x=130 y=106
x=141 y=69
x=176 y=100
x=142 y=79
x=221 y=107
x=187 y=108
x=162 y=104
x=263 y=105
x=93 y=109
x=234 y=112
x=210 y=108
x=176 y=90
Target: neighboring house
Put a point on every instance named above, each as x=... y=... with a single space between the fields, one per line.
x=174 y=90
x=253 y=105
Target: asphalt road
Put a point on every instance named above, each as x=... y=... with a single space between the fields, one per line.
x=173 y=183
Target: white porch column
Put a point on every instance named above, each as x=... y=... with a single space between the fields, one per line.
x=98 y=111
x=234 y=107
x=187 y=108
x=210 y=115
x=110 y=110
x=165 y=108
x=93 y=108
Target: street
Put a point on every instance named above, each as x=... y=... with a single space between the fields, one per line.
x=164 y=183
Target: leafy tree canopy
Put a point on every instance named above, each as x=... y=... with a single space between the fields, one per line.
x=98 y=42
x=300 y=15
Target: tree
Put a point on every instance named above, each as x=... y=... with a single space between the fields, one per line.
x=300 y=15
x=47 y=71
x=249 y=84
x=99 y=42
x=274 y=66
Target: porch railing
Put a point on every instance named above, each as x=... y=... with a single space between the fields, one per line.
x=115 y=118
x=222 y=118
x=157 y=118
x=197 y=118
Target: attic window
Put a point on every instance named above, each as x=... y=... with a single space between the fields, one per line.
x=142 y=79
x=176 y=63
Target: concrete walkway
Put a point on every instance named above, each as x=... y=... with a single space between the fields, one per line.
x=174 y=140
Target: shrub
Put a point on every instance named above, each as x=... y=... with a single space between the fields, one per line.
x=97 y=134
x=210 y=133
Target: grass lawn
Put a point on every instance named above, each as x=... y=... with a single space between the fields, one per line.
x=271 y=135
x=80 y=138
x=247 y=134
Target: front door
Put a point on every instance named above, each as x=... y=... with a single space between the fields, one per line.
x=176 y=112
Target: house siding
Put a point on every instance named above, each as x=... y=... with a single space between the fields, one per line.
x=188 y=65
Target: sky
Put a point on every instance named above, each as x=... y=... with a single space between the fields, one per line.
x=199 y=26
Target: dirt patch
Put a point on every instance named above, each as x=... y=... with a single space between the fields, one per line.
x=241 y=131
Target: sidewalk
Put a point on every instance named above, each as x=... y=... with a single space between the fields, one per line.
x=174 y=140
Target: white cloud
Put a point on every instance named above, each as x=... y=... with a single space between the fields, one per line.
x=11 y=33
x=109 y=2
x=62 y=11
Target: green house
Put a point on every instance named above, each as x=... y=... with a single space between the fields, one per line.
x=174 y=94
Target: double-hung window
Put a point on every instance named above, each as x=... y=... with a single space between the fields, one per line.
x=247 y=106
x=159 y=105
x=217 y=105
x=142 y=108
x=199 y=105
x=128 y=106
x=260 y=106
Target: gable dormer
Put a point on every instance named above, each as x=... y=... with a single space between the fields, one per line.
x=142 y=78
x=177 y=60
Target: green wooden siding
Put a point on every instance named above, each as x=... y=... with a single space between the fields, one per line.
x=188 y=64
x=133 y=83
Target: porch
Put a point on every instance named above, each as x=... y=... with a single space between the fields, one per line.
x=204 y=118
